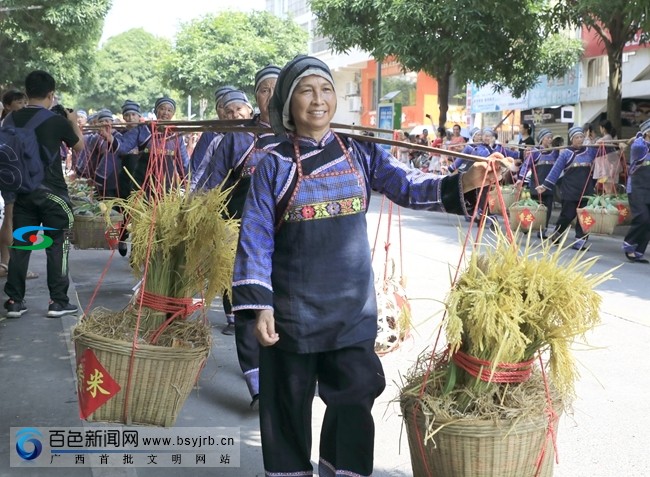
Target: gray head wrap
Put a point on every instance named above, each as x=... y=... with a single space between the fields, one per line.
x=542 y=133
x=645 y=126
x=289 y=77
x=269 y=71
x=575 y=131
x=235 y=96
x=218 y=94
x=164 y=100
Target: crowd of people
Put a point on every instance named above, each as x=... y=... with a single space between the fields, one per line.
x=303 y=305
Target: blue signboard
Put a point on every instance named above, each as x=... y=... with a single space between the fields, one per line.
x=385 y=114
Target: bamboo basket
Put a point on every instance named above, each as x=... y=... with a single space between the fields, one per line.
x=519 y=214
x=90 y=232
x=598 y=221
x=509 y=196
x=162 y=378
x=479 y=448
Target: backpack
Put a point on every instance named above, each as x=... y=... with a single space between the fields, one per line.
x=21 y=167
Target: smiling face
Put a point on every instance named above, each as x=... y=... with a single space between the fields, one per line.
x=313 y=104
x=488 y=138
x=165 y=112
x=236 y=110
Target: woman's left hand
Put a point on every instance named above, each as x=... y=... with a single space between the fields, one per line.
x=476 y=176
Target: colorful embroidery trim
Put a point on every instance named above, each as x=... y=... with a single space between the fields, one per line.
x=248 y=171
x=326 y=210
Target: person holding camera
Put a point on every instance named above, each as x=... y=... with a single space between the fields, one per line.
x=47 y=206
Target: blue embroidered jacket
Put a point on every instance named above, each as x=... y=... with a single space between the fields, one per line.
x=255 y=278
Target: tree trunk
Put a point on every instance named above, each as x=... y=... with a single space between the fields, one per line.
x=615 y=87
x=443 y=96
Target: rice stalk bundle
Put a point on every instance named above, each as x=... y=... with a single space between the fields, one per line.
x=183 y=245
x=510 y=304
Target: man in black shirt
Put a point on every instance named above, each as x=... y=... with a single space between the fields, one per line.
x=49 y=205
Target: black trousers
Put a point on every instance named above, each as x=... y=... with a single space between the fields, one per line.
x=227 y=305
x=45 y=208
x=248 y=349
x=349 y=381
x=569 y=212
x=639 y=233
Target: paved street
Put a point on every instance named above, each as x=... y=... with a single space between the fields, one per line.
x=606 y=436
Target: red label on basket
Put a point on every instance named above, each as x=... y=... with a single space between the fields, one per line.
x=526 y=217
x=623 y=212
x=587 y=221
x=94 y=385
x=112 y=235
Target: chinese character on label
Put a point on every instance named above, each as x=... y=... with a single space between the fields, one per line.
x=94 y=383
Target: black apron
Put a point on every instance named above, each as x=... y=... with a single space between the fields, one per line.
x=324 y=296
x=578 y=180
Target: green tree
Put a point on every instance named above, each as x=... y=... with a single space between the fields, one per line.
x=127 y=66
x=228 y=49
x=57 y=36
x=616 y=22
x=491 y=41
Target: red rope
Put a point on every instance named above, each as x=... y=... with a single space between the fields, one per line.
x=434 y=361
x=183 y=307
x=134 y=347
x=175 y=307
x=387 y=243
x=99 y=283
x=552 y=418
x=488 y=372
x=381 y=212
x=401 y=257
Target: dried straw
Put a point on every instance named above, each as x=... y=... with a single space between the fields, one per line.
x=119 y=325
x=493 y=402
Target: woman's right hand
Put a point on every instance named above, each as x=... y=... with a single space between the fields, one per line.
x=106 y=132
x=265 y=328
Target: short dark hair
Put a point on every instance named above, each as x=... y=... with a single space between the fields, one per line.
x=11 y=96
x=607 y=125
x=39 y=84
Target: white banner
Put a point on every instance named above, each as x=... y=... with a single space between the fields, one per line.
x=546 y=93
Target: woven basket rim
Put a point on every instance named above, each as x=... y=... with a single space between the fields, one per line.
x=486 y=426
x=539 y=207
x=599 y=211
x=93 y=340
